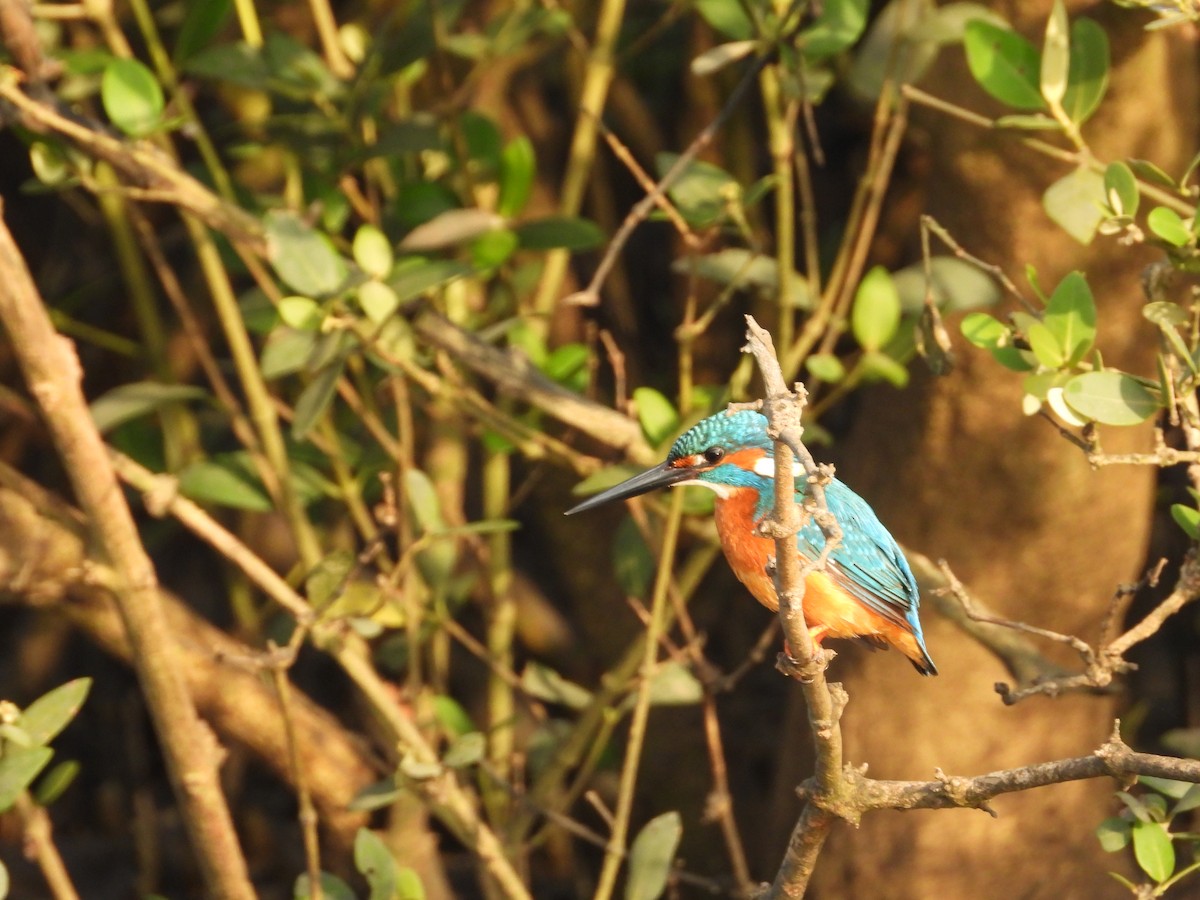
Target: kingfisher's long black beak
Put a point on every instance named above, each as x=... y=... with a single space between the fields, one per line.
x=660 y=476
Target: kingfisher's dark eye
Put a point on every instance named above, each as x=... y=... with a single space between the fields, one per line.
x=714 y=454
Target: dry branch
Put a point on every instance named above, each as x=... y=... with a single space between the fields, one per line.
x=44 y=563
x=53 y=374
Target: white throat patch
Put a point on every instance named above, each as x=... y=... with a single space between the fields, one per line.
x=765 y=466
x=721 y=490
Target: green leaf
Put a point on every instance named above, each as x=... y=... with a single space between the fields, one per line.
x=286 y=351
x=633 y=563
x=879 y=366
x=651 y=855
x=332 y=888
x=226 y=480
x=518 y=166
x=303 y=258
x=451 y=716
x=413 y=276
x=377 y=300
x=201 y=23
x=53 y=711
x=826 y=367
x=1165 y=314
x=1087 y=80
x=492 y=249
x=301 y=313
x=408 y=884
x=18 y=768
x=1154 y=850
x=702 y=191
x=745 y=269
x=1191 y=797
x=238 y=64
x=1056 y=54
x=1110 y=397
x=603 y=479
x=1167 y=224
x=1168 y=787
x=376 y=796
x=328 y=578
x=1005 y=64
x=1188 y=518
x=374 y=861
x=544 y=683
x=875 y=315
x=985 y=331
x=132 y=97
x=673 y=684
x=559 y=231
x=1148 y=171
x=465 y=751
x=1113 y=834
x=55 y=782
x=727 y=17
x=315 y=399
x=957 y=286
x=657 y=416
x=1071 y=317
x=373 y=251
x=1120 y=187
x=131 y=401
x=1076 y=203
x=839 y=25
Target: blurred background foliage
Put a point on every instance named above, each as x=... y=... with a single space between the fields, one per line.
x=369 y=323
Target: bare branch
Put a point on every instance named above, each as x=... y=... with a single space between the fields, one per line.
x=53 y=374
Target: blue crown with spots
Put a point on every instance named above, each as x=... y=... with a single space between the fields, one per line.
x=730 y=431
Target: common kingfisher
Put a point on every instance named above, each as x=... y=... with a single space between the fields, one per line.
x=867 y=589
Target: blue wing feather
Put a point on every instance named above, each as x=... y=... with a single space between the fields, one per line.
x=868 y=563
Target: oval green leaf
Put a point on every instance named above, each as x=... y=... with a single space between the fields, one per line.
x=1120 y=187
x=1056 y=54
x=55 y=782
x=131 y=401
x=373 y=251
x=132 y=97
x=1187 y=518
x=1071 y=317
x=18 y=768
x=1087 y=79
x=985 y=331
x=1004 y=64
x=1110 y=397
x=1076 y=203
x=52 y=712
x=374 y=861
x=657 y=416
x=826 y=367
x=315 y=399
x=1167 y=224
x=560 y=232
x=305 y=259
x=1154 y=850
x=518 y=165
x=875 y=315
x=651 y=856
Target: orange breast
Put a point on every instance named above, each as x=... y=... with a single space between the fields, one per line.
x=825 y=603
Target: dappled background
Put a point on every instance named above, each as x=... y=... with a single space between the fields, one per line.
x=392 y=346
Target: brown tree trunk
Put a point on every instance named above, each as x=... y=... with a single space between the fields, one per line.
x=956 y=471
